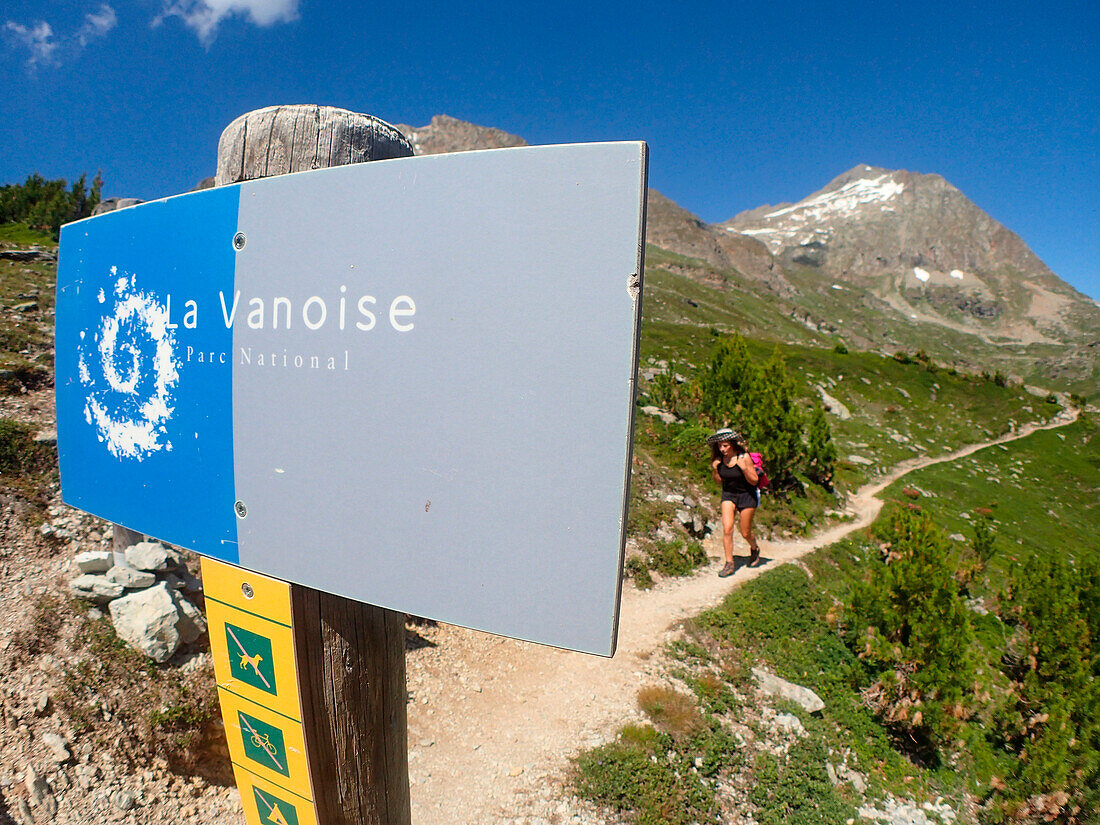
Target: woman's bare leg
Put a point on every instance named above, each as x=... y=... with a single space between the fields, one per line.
x=729 y=514
x=746 y=531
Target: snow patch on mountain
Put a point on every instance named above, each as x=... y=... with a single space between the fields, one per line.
x=844 y=201
x=802 y=222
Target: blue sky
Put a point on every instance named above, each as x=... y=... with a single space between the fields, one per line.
x=742 y=103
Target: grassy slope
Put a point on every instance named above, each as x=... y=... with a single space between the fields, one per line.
x=849 y=314
x=898 y=410
x=1043 y=490
x=1043 y=493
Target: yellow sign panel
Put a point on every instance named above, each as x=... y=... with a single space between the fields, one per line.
x=266 y=743
x=245 y=590
x=254 y=658
x=268 y=804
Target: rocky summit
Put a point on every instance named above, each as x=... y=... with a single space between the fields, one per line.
x=919 y=244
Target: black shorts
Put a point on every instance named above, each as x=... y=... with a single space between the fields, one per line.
x=742 y=501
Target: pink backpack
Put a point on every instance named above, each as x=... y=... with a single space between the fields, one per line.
x=758 y=463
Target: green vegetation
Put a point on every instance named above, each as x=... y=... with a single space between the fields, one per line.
x=677 y=557
x=167 y=713
x=954 y=645
x=44 y=205
x=27 y=467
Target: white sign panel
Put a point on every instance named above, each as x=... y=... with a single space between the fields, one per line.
x=408 y=382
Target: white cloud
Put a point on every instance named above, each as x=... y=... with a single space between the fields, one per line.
x=97 y=24
x=46 y=49
x=204 y=16
x=38 y=40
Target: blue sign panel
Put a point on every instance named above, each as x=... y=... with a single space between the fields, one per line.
x=145 y=420
x=408 y=382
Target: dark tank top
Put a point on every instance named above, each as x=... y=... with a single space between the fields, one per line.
x=733 y=480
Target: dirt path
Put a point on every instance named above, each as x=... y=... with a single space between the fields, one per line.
x=492 y=721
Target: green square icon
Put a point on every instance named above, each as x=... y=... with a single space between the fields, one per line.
x=263 y=744
x=273 y=810
x=250 y=658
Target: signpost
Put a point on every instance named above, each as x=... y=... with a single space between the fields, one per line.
x=408 y=383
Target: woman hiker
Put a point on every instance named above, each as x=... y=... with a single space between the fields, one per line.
x=734 y=470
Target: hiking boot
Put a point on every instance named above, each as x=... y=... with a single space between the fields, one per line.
x=728 y=570
x=754 y=557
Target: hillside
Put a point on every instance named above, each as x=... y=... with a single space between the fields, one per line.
x=885 y=260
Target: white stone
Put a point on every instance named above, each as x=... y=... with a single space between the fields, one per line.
x=147 y=555
x=59 y=747
x=131 y=577
x=147 y=620
x=191 y=624
x=95 y=588
x=802 y=696
x=94 y=561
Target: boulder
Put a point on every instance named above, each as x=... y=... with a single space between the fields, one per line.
x=772 y=684
x=833 y=405
x=147 y=620
x=98 y=589
x=191 y=624
x=94 y=561
x=131 y=577
x=147 y=555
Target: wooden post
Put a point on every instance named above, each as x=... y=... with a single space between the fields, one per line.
x=350 y=657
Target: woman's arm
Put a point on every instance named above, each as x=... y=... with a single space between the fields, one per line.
x=748 y=469
x=714 y=470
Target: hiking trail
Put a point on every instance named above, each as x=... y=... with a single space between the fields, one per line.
x=494 y=721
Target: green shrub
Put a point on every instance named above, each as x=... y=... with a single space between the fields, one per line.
x=1053 y=725
x=642 y=773
x=910 y=623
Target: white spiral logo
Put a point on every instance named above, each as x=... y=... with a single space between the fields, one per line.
x=133 y=353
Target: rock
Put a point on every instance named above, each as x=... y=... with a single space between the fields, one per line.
x=191 y=624
x=28 y=255
x=858 y=459
x=147 y=620
x=131 y=577
x=831 y=771
x=689 y=501
x=147 y=555
x=111 y=204
x=23 y=813
x=41 y=704
x=903 y=392
x=833 y=405
x=39 y=791
x=59 y=747
x=790 y=723
x=957 y=537
x=664 y=415
x=698 y=526
x=98 y=589
x=86 y=775
x=123 y=800
x=94 y=561
x=772 y=684
x=859 y=784
x=684 y=517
